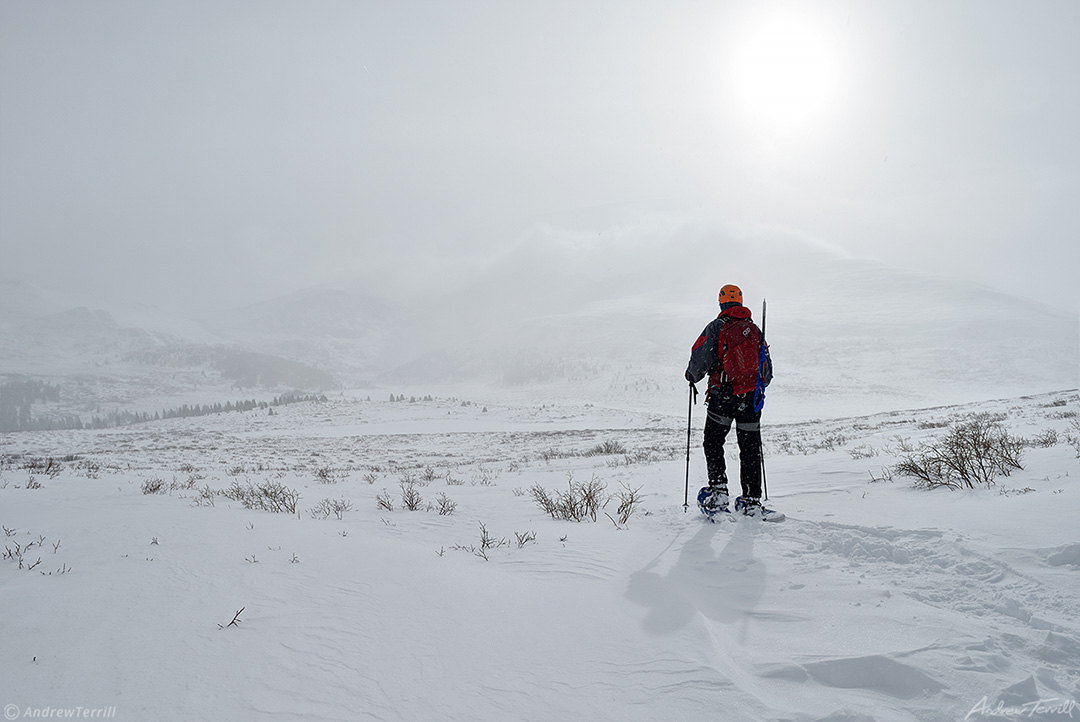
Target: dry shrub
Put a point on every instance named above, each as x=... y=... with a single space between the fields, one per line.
x=272 y=496
x=974 y=452
x=581 y=500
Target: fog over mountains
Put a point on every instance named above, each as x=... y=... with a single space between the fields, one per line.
x=592 y=316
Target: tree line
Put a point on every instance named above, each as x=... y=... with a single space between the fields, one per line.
x=17 y=398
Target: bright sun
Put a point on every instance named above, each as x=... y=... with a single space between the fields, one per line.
x=783 y=74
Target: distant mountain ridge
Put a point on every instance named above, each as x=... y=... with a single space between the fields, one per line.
x=606 y=317
x=91 y=349
x=343 y=331
x=603 y=317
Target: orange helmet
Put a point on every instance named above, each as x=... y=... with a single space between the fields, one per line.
x=731 y=294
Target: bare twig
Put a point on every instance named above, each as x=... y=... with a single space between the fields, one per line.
x=235 y=620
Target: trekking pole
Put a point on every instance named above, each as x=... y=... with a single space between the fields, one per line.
x=689 y=417
x=764 y=483
x=764 y=486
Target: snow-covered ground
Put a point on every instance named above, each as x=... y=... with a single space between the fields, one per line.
x=874 y=600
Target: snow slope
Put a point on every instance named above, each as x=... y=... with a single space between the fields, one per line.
x=873 y=601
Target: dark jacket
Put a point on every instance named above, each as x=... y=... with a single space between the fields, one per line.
x=705 y=354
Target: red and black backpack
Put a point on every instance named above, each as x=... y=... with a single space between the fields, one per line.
x=738 y=349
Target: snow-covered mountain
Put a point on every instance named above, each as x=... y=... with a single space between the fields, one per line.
x=77 y=337
x=135 y=358
x=21 y=302
x=50 y=328
x=337 y=328
x=616 y=316
x=602 y=316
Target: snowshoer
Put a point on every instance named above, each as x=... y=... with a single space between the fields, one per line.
x=732 y=352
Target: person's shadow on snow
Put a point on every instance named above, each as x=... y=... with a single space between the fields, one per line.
x=724 y=587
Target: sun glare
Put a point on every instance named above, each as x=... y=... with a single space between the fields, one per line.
x=783 y=74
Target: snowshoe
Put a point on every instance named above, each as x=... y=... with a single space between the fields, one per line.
x=753 y=508
x=713 y=501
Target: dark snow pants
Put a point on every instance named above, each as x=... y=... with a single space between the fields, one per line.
x=724 y=409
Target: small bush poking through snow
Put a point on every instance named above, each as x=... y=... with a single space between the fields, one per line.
x=410 y=497
x=487 y=541
x=269 y=496
x=1046 y=439
x=484 y=476
x=91 y=468
x=975 y=452
x=328 y=506
x=581 y=500
x=153 y=485
x=862 y=451
x=628 y=500
x=49 y=466
x=445 y=506
x=327 y=475
x=205 y=497
x=606 y=448
x=186 y=485
x=1074 y=438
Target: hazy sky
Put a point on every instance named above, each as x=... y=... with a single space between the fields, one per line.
x=200 y=152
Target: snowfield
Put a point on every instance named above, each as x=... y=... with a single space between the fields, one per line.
x=874 y=600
